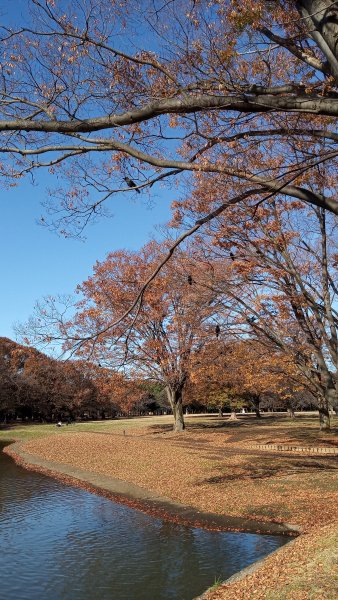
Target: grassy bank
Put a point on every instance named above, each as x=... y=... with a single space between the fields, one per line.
x=215 y=467
x=22 y=432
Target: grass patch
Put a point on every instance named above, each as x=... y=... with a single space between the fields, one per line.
x=217 y=583
x=35 y=431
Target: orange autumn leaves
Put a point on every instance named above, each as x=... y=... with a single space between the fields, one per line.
x=241 y=373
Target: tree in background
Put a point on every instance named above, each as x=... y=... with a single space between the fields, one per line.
x=156 y=340
x=35 y=386
x=277 y=264
x=116 y=392
x=7 y=385
x=239 y=373
x=287 y=271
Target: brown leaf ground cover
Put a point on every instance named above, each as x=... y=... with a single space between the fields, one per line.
x=213 y=467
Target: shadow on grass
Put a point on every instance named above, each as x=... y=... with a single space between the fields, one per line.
x=262 y=469
x=213 y=425
x=278 y=428
x=269 y=511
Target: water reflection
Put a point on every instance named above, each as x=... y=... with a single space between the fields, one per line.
x=62 y=543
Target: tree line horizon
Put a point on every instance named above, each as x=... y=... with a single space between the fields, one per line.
x=37 y=388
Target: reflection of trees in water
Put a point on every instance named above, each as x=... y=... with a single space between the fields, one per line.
x=18 y=486
x=200 y=551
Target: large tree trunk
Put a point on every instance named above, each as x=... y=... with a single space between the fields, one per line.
x=328 y=396
x=324 y=418
x=233 y=416
x=255 y=401
x=291 y=412
x=332 y=398
x=328 y=400
x=257 y=412
x=331 y=401
x=174 y=396
x=321 y=18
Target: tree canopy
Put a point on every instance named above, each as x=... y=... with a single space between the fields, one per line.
x=107 y=93
x=36 y=386
x=234 y=102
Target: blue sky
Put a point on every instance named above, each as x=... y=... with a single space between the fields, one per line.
x=36 y=262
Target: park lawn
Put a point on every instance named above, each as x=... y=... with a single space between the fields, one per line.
x=22 y=432
x=215 y=467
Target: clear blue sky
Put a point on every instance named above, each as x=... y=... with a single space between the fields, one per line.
x=35 y=262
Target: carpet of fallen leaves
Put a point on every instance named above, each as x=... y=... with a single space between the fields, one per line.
x=212 y=468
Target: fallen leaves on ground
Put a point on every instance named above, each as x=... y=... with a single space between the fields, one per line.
x=210 y=470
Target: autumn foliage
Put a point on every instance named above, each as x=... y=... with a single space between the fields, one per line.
x=35 y=386
x=220 y=87
x=237 y=103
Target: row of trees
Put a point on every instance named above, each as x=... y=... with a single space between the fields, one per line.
x=36 y=387
x=242 y=97
x=247 y=309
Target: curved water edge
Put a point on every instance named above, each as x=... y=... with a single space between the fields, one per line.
x=145 y=500
x=239 y=575
x=64 y=543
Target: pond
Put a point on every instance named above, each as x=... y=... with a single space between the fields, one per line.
x=63 y=543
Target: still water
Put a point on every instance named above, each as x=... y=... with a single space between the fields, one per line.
x=62 y=543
